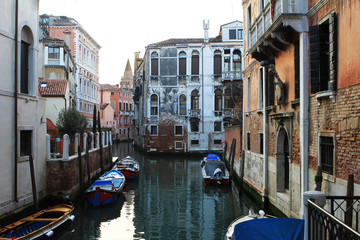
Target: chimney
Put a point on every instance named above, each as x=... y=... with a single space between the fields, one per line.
x=206 y=31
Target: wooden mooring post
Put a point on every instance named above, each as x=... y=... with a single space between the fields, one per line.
x=349 y=202
x=80 y=169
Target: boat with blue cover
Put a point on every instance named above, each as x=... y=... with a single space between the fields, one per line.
x=214 y=170
x=39 y=224
x=106 y=189
x=255 y=226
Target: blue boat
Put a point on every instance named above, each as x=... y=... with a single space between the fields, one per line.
x=106 y=189
x=250 y=227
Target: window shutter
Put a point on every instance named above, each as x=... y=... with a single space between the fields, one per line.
x=333 y=50
x=195 y=65
x=182 y=66
x=154 y=67
x=314 y=58
x=217 y=64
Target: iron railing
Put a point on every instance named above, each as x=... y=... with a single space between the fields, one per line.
x=323 y=225
x=346 y=208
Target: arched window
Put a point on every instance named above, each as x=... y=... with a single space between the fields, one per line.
x=237 y=61
x=154 y=64
x=182 y=63
x=194 y=100
x=154 y=105
x=195 y=63
x=182 y=104
x=218 y=100
x=217 y=62
x=26 y=65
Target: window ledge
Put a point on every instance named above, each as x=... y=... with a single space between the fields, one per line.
x=260 y=111
x=295 y=102
x=326 y=94
x=328 y=177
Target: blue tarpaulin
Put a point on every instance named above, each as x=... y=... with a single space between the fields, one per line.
x=270 y=228
x=212 y=157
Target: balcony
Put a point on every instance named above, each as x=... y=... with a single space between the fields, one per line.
x=228 y=112
x=270 y=34
x=194 y=113
x=231 y=76
x=218 y=113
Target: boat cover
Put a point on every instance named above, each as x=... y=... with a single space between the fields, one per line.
x=212 y=157
x=270 y=229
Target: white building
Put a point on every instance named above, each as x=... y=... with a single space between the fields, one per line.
x=189 y=91
x=23 y=121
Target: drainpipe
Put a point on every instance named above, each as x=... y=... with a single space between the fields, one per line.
x=265 y=138
x=202 y=87
x=16 y=99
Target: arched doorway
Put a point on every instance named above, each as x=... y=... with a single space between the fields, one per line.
x=282 y=161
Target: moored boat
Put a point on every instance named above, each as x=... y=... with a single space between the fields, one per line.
x=128 y=166
x=214 y=171
x=106 y=189
x=263 y=226
x=39 y=224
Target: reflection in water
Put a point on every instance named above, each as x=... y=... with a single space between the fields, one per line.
x=167 y=201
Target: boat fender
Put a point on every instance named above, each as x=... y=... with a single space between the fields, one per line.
x=223 y=144
x=71 y=218
x=49 y=233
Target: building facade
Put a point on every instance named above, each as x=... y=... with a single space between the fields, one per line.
x=85 y=51
x=297 y=76
x=57 y=72
x=186 y=90
x=120 y=100
x=23 y=127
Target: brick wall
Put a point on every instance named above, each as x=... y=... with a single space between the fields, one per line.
x=63 y=176
x=342 y=117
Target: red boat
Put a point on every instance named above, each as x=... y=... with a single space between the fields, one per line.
x=128 y=167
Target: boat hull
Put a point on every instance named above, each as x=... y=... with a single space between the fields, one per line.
x=101 y=197
x=39 y=224
x=209 y=181
x=128 y=174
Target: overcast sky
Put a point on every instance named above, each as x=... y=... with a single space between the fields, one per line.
x=123 y=27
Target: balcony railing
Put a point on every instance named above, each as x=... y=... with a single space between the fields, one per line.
x=230 y=76
x=228 y=112
x=194 y=113
x=324 y=225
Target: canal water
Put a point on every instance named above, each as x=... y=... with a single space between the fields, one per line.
x=167 y=201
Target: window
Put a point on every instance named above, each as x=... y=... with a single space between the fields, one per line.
x=232 y=33
x=182 y=104
x=25 y=142
x=24 y=84
x=217 y=126
x=194 y=142
x=327 y=154
x=194 y=125
x=154 y=64
x=120 y=106
x=261 y=143
x=178 y=130
x=248 y=21
x=154 y=105
x=262 y=4
x=178 y=145
x=248 y=141
x=195 y=63
x=217 y=62
x=182 y=63
x=120 y=123
x=260 y=88
x=237 y=62
x=112 y=93
x=248 y=94
x=323 y=55
x=54 y=53
x=240 y=34
x=194 y=100
x=217 y=141
x=153 y=130
x=218 y=100
x=112 y=104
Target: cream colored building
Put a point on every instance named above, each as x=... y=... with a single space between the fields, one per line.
x=23 y=121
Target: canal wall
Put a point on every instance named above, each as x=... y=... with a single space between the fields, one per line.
x=71 y=175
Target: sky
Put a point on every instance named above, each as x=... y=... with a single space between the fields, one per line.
x=123 y=27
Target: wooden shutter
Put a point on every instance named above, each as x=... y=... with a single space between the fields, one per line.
x=195 y=65
x=333 y=50
x=314 y=58
x=154 y=67
x=217 y=64
x=182 y=66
